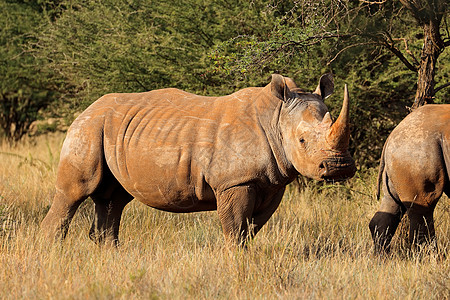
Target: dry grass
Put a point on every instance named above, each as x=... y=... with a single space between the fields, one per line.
x=317 y=245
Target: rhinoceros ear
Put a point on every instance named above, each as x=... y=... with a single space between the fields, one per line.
x=279 y=88
x=326 y=86
x=290 y=83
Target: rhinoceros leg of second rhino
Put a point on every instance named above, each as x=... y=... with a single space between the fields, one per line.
x=421 y=229
x=235 y=208
x=386 y=219
x=110 y=198
x=420 y=196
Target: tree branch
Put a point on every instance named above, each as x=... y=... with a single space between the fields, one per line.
x=446 y=30
x=416 y=62
x=327 y=35
x=411 y=5
x=400 y=55
x=441 y=87
x=388 y=42
x=348 y=47
x=373 y=2
x=283 y=46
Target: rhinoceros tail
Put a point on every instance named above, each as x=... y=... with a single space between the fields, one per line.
x=445 y=146
x=380 y=172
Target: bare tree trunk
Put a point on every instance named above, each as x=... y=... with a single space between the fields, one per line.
x=433 y=46
x=429 y=14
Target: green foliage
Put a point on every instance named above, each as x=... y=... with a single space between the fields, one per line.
x=133 y=46
x=351 y=39
x=442 y=77
x=64 y=54
x=26 y=87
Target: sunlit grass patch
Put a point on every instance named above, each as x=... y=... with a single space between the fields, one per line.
x=316 y=245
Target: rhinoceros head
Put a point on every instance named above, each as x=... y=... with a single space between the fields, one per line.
x=316 y=146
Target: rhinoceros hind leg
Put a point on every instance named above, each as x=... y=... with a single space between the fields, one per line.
x=235 y=208
x=73 y=185
x=421 y=229
x=110 y=200
x=385 y=221
x=80 y=172
x=383 y=226
x=56 y=223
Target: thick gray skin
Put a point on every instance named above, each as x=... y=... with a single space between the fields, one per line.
x=180 y=152
x=414 y=172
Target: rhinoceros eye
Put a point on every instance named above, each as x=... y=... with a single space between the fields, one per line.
x=302 y=140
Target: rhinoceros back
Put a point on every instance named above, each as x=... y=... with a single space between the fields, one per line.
x=416 y=154
x=172 y=149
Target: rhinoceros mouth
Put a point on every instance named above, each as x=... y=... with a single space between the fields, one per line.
x=337 y=168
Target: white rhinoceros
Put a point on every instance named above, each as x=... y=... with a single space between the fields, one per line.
x=181 y=152
x=414 y=172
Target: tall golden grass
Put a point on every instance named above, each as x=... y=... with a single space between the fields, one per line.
x=316 y=246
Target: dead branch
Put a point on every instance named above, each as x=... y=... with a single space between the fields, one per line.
x=405 y=41
x=373 y=2
x=348 y=47
x=304 y=43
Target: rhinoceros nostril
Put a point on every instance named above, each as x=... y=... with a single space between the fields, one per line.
x=323 y=169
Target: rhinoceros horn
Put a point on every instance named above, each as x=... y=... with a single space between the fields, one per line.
x=338 y=135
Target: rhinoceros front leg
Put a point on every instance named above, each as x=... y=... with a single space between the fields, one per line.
x=264 y=212
x=235 y=208
x=108 y=212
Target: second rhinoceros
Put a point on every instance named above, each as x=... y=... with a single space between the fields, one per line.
x=414 y=172
x=181 y=152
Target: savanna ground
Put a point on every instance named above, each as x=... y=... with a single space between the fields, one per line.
x=317 y=245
